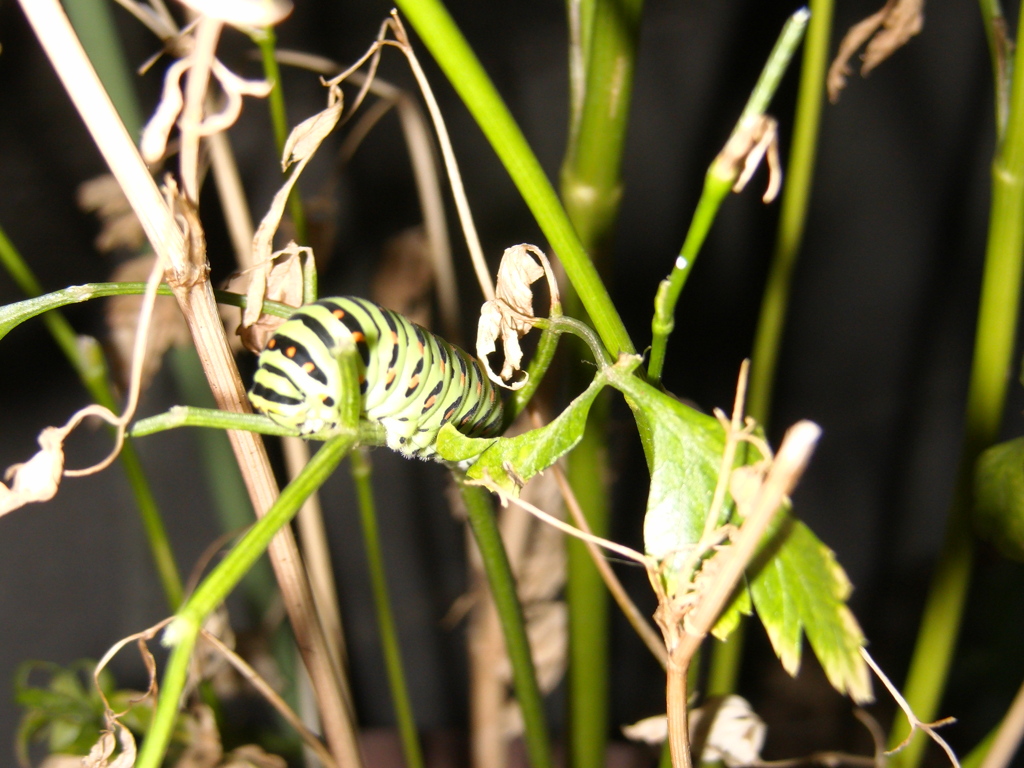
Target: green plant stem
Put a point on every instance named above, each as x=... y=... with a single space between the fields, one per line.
x=602 y=60
x=267 y=42
x=88 y=362
x=446 y=43
x=503 y=588
x=591 y=176
x=999 y=48
x=95 y=27
x=726 y=657
x=986 y=395
x=718 y=182
x=796 y=195
x=12 y=315
x=385 y=618
x=218 y=585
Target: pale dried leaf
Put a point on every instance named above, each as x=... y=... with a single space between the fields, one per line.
x=540 y=565
x=38 y=478
x=167 y=328
x=547 y=628
x=508 y=315
x=736 y=733
x=253 y=756
x=204 y=748
x=650 y=730
x=899 y=20
x=153 y=143
x=101 y=752
x=516 y=273
x=754 y=139
x=307 y=136
x=404 y=277
x=243 y=13
x=278 y=279
x=119 y=226
x=303 y=141
x=234 y=88
x=744 y=484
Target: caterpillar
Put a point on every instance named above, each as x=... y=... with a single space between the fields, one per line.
x=412 y=382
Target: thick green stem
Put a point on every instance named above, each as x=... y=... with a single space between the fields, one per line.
x=446 y=43
x=503 y=589
x=602 y=59
x=385 y=618
x=986 y=395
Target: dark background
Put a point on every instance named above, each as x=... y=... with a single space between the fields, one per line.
x=877 y=347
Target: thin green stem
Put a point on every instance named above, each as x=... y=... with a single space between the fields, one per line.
x=999 y=47
x=604 y=38
x=726 y=657
x=218 y=585
x=995 y=336
x=446 y=43
x=793 y=214
x=267 y=42
x=385 y=618
x=718 y=182
x=89 y=364
x=12 y=315
x=503 y=588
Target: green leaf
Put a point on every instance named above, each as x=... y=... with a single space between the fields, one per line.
x=532 y=452
x=454 y=446
x=796 y=584
x=729 y=619
x=798 y=587
x=999 y=497
x=684 y=452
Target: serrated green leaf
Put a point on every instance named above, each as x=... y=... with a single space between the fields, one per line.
x=798 y=587
x=532 y=452
x=999 y=497
x=729 y=619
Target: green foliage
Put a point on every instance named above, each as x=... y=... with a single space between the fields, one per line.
x=999 y=497
x=798 y=587
x=67 y=711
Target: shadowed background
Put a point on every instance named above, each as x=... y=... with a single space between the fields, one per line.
x=877 y=345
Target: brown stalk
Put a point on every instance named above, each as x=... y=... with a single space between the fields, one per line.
x=187 y=273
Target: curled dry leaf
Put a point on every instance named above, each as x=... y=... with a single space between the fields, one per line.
x=302 y=143
x=282 y=281
x=755 y=139
x=38 y=478
x=102 y=751
x=157 y=131
x=167 y=328
x=888 y=30
x=735 y=736
x=119 y=226
x=508 y=316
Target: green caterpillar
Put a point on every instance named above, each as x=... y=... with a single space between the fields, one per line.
x=412 y=382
